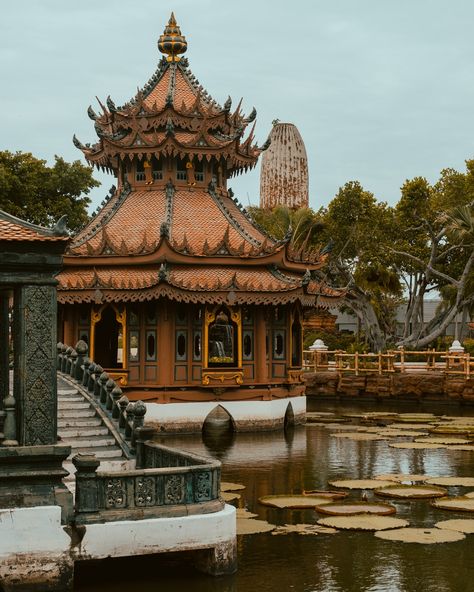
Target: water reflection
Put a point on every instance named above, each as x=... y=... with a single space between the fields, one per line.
x=307 y=458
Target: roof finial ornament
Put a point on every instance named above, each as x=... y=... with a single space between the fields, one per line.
x=172 y=43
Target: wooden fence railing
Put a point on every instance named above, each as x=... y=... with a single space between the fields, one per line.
x=389 y=362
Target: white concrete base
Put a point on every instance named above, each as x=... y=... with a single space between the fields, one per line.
x=215 y=532
x=34 y=550
x=245 y=415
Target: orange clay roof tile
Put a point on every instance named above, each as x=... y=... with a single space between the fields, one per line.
x=12 y=231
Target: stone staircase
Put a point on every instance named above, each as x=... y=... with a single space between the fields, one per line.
x=83 y=427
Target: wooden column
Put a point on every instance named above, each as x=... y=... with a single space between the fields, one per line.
x=166 y=345
x=4 y=348
x=261 y=362
x=69 y=338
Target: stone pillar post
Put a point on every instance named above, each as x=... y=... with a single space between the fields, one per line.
x=4 y=348
x=35 y=387
x=261 y=362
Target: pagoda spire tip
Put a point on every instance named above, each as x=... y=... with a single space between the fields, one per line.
x=172 y=43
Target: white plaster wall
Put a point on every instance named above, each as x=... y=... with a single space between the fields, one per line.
x=35 y=530
x=156 y=535
x=176 y=413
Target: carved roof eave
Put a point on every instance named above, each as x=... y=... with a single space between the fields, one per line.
x=165 y=290
x=170 y=147
x=166 y=252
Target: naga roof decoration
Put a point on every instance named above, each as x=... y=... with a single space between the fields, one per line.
x=172 y=235
x=13 y=229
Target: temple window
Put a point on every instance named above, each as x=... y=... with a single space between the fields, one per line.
x=199 y=170
x=279 y=344
x=181 y=172
x=247 y=316
x=157 y=168
x=133 y=317
x=140 y=174
x=133 y=348
x=151 y=313
x=181 y=314
x=247 y=345
x=151 y=346
x=181 y=346
x=222 y=340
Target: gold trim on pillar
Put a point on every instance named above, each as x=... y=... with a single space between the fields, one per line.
x=293 y=313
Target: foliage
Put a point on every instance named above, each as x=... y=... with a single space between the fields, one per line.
x=333 y=340
x=34 y=191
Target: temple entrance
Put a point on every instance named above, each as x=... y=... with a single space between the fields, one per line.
x=108 y=340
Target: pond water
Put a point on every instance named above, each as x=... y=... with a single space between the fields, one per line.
x=348 y=561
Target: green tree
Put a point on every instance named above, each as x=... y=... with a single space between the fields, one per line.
x=34 y=191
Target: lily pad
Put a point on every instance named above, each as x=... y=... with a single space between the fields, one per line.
x=411 y=491
x=244 y=513
x=360 y=436
x=415 y=445
x=399 y=433
x=469 y=494
x=354 y=508
x=465 y=526
x=251 y=526
x=409 y=427
x=427 y=536
x=401 y=477
x=360 y=483
x=231 y=486
x=460 y=504
x=446 y=441
x=363 y=522
x=303 y=529
x=293 y=501
x=229 y=496
x=332 y=495
x=463 y=447
x=452 y=481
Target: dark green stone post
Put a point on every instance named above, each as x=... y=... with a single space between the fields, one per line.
x=34 y=330
x=4 y=347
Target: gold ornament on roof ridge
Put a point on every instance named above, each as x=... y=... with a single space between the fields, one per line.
x=172 y=43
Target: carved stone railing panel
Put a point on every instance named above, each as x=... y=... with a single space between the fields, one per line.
x=191 y=485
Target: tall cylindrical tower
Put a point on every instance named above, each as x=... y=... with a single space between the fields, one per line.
x=284 y=172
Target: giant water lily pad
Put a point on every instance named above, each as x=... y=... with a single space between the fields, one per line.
x=389 y=433
x=363 y=522
x=401 y=477
x=469 y=494
x=293 y=501
x=229 y=496
x=462 y=447
x=330 y=495
x=460 y=504
x=452 y=481
x=303 y=529
x=353 y=508
x=225 y=486
x=427 y=536
x=251 y=526
x=415 y=445
x=409 y=427
x=359 y=436
x=411 y=491
x=360 y=483
x=244 y=513
x=444 y=441
x=465 y=526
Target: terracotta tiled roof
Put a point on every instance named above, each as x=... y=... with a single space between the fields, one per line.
x=14 y=229
x=159 y=92
x=196 y=218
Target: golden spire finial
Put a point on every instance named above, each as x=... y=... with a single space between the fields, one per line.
x=172 y=43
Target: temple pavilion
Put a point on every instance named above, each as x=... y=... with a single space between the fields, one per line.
x=179 y=295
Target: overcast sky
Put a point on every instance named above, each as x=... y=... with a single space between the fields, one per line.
x=381 y=90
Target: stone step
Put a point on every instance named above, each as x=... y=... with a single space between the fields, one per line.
x=70 y=399
x=108 y=452
x=79 y=423
x=67 y=391
x=74 y=413
x=89 y=442
x=77 y=432
x=74 y=405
